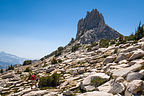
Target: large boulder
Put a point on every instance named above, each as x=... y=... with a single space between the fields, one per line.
x=138 y=61
x=8 y=75
x=36 y=93
x=50 y=69
x=134 y=76
x=105 y=87
x=68 y=93
x=112 y=87
x=87 y=80
x=129 y=49
x=81 y=70
x=122 y=72
x=137 y=54
x=141 y=72
x=73 y=71
x=3 y=83
x=119 y=79
x=1 y=88
x=109 y=59
x=89 y=88
x=116 y=87
x=86 y=83
x=133 y=87
x=96 y=93
x=123 y=56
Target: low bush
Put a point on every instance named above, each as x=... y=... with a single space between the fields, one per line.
x=49 y=81
x=58 y=52
x=29 y=76
x=59 y=61
x=103 y=43
x=54 y=61
x=89 y=47
x=116 y=50
x=27 y=62
x=94 y=44
x=10 y=67
x=1 y=70
x=75 y=47
x=28 y=69
x=112 y=41
x=98 y=81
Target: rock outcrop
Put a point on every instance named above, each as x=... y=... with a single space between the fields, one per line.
x=93 y=28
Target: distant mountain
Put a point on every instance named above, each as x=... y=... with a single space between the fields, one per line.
x=9 y=59
x=93 y=28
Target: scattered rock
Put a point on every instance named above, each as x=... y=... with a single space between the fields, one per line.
x=116 y=88
x=68 y=93
x=87 y=80
x=119 y=79
x=137 y=54
x=129 y=49
x=89 y=88
x=134 y=76
x=134 y=87
x=49 y=70
x=109 y=59
x=36 y=93
x=8 y=75
x=124 y=71
x=122 y=56
x=96 y=93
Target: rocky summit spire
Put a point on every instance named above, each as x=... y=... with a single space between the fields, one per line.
x=93 y=28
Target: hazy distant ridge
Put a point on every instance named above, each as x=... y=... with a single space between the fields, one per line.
x=7 y=59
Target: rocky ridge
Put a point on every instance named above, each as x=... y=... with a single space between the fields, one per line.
x=93 y=28
x=117 y=76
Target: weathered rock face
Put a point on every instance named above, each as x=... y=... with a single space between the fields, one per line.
x=93 y=28
x=134 y=87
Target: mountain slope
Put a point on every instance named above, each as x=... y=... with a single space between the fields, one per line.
x=9 y=59
x=93 y=28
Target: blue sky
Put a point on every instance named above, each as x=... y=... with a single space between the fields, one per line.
x=34 y=28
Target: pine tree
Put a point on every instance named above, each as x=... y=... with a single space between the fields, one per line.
x=140 y=32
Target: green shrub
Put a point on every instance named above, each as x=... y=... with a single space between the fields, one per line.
x=58 y=52
x=140 y=32
x=27 y=62
x=75 y=48
x=42 y=58
x=72 y=41
x=117 y=44
x=104 y=43
x=112 y=42
x=89 y=48
x=10 y=67
x=28 y=69
x=116 y=50
x=94 y=44
x=54 y=61
x=59 y=61
x=97 y=81
x=129 y=38
x=49 y=81
x=1 y=71
x=121 y=39
x=29 y=76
